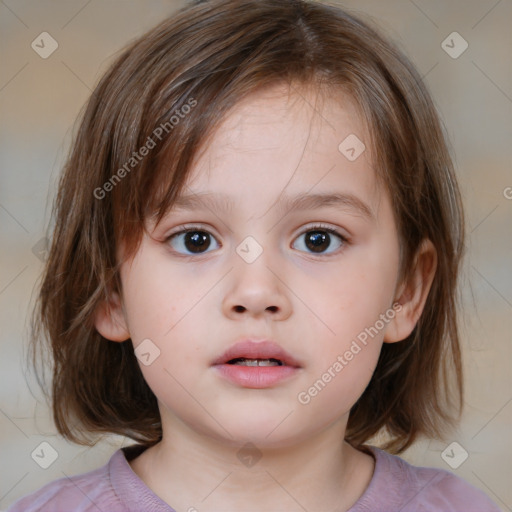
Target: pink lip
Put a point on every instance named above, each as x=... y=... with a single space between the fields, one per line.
x=250 y=349
x=256 y=377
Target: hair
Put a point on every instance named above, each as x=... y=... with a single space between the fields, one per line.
x=167 y=92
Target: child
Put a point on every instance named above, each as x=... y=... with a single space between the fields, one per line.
x=253 y=272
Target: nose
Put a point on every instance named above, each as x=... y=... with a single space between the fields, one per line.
x=257 y=290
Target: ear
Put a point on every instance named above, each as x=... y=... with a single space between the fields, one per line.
x=110 y=320
x=413 y=294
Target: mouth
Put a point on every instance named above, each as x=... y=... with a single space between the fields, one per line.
x=242 y=361
x=256 y=365
x=257 y=353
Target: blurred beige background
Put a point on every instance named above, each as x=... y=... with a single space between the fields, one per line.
x=40 y=98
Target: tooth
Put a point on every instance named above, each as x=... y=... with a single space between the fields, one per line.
x=256 y=362
x=267 y=362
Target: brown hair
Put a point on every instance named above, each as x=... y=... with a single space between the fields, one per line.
x=201 y=62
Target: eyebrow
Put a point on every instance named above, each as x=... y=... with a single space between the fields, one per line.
x=222 y=202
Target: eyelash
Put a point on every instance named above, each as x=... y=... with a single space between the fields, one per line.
x=188 y=228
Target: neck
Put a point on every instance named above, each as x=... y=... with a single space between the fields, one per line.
x=189 y=470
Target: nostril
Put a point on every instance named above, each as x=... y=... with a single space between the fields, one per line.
x=241 y=309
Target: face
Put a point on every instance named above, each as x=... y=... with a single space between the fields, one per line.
x=314 y=278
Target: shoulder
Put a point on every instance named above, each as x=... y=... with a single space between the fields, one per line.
x=90 y=491
x=398 y=485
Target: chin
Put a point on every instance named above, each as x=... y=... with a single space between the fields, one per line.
x=265 y=431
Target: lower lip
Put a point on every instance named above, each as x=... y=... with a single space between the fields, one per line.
x=256 y=377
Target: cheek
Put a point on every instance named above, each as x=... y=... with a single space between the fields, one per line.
x=159 y=296
x=351 y=301
x=337 y=386
x=350 y=335
x=162 y=305
x=343 y=369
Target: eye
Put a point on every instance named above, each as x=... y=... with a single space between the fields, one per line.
x=193 y=239
x=320 y=237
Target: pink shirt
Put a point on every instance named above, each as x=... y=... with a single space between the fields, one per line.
x=395 y=486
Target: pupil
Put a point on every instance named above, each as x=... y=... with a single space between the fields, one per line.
x=317 y=238
x=197 y=241
x=194 y=241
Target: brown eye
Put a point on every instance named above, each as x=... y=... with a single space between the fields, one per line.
x=190 y=241
x=318 y=239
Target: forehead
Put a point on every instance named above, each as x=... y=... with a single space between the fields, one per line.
x=279 y=146
x=262 y=121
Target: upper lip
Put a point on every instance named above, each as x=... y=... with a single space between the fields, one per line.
x=264 y=349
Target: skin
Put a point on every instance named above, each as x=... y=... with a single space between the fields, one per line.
x=312 y=304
